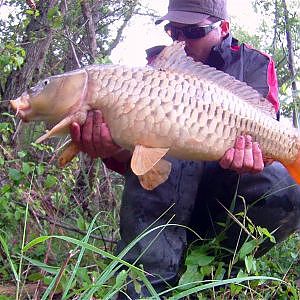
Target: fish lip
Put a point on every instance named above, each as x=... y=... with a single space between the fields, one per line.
x=21 y=106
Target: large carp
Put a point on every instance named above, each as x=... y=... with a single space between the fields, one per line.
x=175 y=107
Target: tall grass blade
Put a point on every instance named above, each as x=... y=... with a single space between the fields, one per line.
x=21 y=258
x=11 y=263
x=213 y=285
x=80 y=256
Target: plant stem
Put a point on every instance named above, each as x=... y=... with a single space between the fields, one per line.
x=18 y=295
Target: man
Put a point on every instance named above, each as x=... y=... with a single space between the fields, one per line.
x=193 y=193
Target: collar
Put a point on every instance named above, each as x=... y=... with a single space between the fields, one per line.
x=222 y=53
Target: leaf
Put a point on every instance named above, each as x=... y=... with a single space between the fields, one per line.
x=22 y=154
x=294 y=255
x=235 y=289
x=11 y=262
x=250 y=263
x=5 y=297
x=5 y=189
x=206 y=270
x=220 y=272
x=81 y=223
x=199 y=260
x=1 y=161
x=190 y=276
x=35 y=242
x=18 y=215
x=251 y=228
x=14 y=175
x=35 y=277
x=26 y=168
x=42 y=266
x=29 y=12
x=57 y=22
x=19 y=60
x=40 y=169
x=265 y=231
x=50 y=181
x=120 y=279
x=52 y=12
x=137 y=286
x=247 y=248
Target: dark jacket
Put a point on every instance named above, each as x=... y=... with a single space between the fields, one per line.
x=243 y=62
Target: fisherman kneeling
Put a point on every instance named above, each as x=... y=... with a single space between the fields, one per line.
x=196 y=193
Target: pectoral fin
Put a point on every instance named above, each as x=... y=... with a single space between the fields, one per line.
x=60 y=128
x=63 y=126
x=144 y=158
x=156 y=176
x=68 y=154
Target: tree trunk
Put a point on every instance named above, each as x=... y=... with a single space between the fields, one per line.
x=291 y=65
x=36 y=41
x=90 y=28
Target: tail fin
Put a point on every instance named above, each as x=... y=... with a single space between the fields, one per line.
x=294 y=168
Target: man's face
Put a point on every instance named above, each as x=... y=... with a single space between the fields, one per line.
x=199 y=49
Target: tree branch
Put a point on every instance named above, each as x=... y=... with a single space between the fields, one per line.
x=90 y=28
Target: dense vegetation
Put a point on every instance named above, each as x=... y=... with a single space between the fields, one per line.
x=59 y=227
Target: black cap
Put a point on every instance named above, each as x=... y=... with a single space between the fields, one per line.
x=194 y=11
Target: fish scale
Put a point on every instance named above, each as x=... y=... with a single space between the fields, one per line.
x=165 y=105
x=175 y=107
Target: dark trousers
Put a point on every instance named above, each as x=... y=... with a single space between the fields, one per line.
x=191 y=197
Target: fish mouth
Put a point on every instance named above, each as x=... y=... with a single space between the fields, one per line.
x=21 y=106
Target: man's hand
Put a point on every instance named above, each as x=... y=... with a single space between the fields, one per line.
x=244 y=157
x=94 y=137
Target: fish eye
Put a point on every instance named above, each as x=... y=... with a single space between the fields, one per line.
x=46 y=82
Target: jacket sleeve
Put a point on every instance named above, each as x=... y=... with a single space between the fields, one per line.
x=114 y=165
x=260 y=73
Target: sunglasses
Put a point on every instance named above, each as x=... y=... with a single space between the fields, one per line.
x=190 y=31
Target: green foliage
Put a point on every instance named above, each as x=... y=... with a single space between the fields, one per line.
x=27 y=180
x=210 y=261
x=55 y=17
x=11 y=58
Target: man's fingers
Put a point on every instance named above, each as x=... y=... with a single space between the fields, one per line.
x=102 y=139
x=238 y=158
x=75 y=133
x=97 y=136
x=97 y=117
x=248 y=154
x=245 y=156
x=94 y=137
x=227 y=159
x=107 y=140
x=87 y=127
x=258 y=163
x=87 y=135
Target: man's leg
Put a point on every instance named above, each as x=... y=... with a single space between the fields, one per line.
x=171 y=202
x=272 y=197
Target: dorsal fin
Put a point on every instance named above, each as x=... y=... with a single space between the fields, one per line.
x=173 y=58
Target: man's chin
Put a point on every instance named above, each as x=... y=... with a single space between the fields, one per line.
x=191 y=54
x=188 y=52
